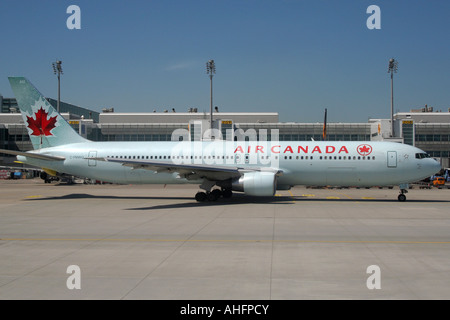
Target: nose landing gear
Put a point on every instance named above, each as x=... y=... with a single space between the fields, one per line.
x=403 y=190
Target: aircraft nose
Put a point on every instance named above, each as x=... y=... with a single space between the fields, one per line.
x=435 y=165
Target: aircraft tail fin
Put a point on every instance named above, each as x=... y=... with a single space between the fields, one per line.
x=46 y=127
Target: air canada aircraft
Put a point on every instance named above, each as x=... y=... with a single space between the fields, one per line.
x=256 y=168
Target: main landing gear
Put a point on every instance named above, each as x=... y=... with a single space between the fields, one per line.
x=213 y=195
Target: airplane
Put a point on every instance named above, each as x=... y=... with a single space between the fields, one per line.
x=256 y=168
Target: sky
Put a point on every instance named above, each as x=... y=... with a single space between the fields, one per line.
x=294 y=57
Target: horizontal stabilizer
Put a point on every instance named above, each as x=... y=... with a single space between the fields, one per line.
x=39 y=156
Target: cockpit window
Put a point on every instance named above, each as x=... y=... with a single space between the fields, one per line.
x=422 y=155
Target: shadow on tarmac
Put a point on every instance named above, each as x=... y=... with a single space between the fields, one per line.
x=237 y=199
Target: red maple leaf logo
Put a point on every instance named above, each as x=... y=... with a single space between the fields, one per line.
x=41 y=126
x=364 y=149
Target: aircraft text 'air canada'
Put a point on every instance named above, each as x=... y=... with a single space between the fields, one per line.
x=292 y=149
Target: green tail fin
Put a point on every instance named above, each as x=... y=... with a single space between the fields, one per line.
x=46 y=127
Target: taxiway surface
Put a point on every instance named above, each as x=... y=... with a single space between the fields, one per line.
x=156 y=242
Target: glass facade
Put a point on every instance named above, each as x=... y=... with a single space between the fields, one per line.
x=434 y=138
x=8 y=105
x=299 y=132
x=72 y=109
x=408 y=132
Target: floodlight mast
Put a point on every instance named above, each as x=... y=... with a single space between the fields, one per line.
x=393 y=67
x=57 y=69
x=211 y=70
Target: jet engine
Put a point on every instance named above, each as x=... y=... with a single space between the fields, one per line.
x=262 y=184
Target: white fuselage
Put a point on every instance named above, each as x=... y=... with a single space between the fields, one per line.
x=345 y=163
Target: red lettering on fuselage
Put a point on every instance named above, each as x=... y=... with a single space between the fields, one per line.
x=239 y=149
x=343 y=149
x=316 y=149
x=273 y=151
x=289 y=149
x=330 y=149
x=305 y=150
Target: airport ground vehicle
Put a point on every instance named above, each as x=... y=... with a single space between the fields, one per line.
x=439 y=181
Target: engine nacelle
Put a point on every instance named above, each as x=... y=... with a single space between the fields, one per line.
x=261 y=184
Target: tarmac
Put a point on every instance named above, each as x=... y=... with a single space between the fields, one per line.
x=156 y=242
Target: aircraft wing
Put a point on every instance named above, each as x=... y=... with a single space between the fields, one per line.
x=189 y=171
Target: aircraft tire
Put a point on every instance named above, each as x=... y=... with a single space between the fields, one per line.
x=213 y=196
x=217 y=193
x=200 y=196
x=227 y=193
x=401 y=197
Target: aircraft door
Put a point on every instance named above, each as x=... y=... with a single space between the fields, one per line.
x=92 y=163
x=392 y=159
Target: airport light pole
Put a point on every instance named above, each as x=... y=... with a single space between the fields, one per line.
x=57 y=69
x=393 y=67
x=211 y=70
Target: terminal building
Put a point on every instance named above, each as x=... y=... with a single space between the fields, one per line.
x=423 y=128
